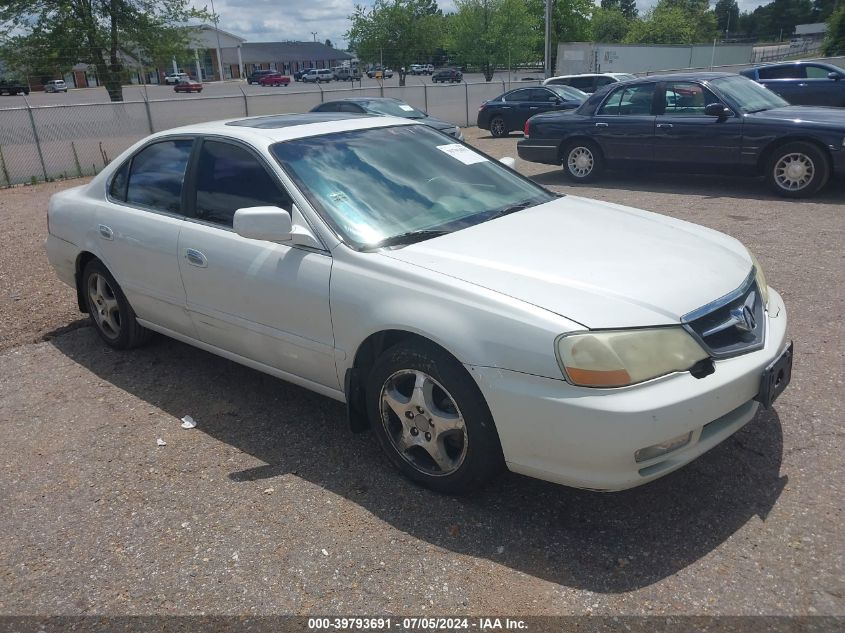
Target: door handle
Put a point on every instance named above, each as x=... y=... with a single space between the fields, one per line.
x=601 y=124
x=105 y=232
x=664 y=125
x=195 y=258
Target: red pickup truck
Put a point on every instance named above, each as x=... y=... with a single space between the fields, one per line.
x=274 y=79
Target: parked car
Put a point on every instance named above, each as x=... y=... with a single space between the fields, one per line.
x=318 y=75
x=9 y=87
x=188 y=85
x=511 y=110
x=346 y=73
x=803 y=83
x=175 y=78
x=274 y=79
x=55 y=85
x=377 y=71
x=429 y=69
x=416 y=69
x=447 y=75
x=297 y=76
x=386 y=106
x=694 y=122
x=425 y=285
x=588 y=82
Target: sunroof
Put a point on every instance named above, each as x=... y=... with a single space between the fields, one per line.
x=276 y=121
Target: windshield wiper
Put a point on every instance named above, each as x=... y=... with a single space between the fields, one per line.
x=512 y=209
x=409 y=238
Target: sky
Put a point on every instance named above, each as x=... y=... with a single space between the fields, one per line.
x=272 y=21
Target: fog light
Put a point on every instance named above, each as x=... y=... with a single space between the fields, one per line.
x=650 y=452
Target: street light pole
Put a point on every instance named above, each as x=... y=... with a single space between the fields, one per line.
x=547 y=66
x=314 y=33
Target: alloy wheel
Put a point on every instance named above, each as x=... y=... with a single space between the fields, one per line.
x=423 y=422
x=580 y=161
x=793 y=172
x=104 y=306
x=497 y=127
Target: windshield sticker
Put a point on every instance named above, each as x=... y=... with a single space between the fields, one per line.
x=462 y=153
x=406 y=108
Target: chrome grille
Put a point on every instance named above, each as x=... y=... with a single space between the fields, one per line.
x=732 y=325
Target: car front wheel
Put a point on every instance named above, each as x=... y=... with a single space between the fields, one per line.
x=798 y=170
x=582 y=161
x=431 y=419
x=110 y=312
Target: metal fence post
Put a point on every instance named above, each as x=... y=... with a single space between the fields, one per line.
x=503 y=86
x=381 y=86
x=425 y=97
x=466 y=99
x=321 y=90
x=37 y=140
x=246 y=101
x=149 y=114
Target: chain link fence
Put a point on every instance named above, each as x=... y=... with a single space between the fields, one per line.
x=39 y=143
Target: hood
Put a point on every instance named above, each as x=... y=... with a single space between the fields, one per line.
x=437 y=124
x=599 y=264
x=809 y=114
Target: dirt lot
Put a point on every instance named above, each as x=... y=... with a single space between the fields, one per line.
x=271 y=506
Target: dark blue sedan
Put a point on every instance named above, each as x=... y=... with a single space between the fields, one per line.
x=803 y=83
x=511 y=110
x=695 y=122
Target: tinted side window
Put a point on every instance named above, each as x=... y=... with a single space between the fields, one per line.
x=583 y=83
x=157 y=174
x=231 y=178
x=633 y=100
x=117 y=190
x=782 y=72
x=603 y=81
x=816 y=72
x=519 y=95
x=540 y=94
x=328 y=107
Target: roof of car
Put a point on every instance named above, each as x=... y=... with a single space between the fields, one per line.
x=693 y=76
x=265 y=130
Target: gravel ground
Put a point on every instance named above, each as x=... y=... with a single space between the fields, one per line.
x=271 y=506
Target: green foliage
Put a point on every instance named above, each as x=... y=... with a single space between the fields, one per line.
x=491 y=33
x=674 y=22
x=57 y=34
x=609 y=25
x=727 y=15
x=834 y=43
x=397 y=33
x=778 y=18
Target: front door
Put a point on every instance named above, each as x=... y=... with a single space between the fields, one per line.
x=683 y=125
x=262 y=300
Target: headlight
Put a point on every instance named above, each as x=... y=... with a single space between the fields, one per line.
x=761 y=280
x=616 y=358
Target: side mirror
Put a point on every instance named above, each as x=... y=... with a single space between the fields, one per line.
x=508 y=161
x=263 y=223
x=835 y=76
x=716 y=109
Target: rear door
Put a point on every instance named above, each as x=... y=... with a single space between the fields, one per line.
x=265 y=301
x=624 y=124
x=821 y=89
x=685 y=136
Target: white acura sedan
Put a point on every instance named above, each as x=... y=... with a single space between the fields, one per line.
x=471 y=318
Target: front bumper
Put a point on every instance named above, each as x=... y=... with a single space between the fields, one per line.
x=587 y=438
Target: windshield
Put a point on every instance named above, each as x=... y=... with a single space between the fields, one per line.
x=394 y=108
x=373 y=185
x=568 y=92
x=747 y=94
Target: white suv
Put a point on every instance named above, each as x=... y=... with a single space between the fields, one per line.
x=55 y=85
x=588 y=82
x=318 y=75
x=175 y=78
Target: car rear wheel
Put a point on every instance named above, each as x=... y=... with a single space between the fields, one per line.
x=109 y=310
x=431 y=419
x=497 y=127
x=798 y=170
x=582 y=161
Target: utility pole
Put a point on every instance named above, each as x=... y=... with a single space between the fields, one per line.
x=314 y=33
x=547 y=70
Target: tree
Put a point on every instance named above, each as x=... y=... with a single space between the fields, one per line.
x=396 y=33
x=609 y=25
x=329 y=43
x=727 y=15
x=674 y=22
x=834 y=43
x=570 y=23
x=629 y=8
x=491 y=33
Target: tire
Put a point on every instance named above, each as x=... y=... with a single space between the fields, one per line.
x=582 y=161
x=797 y=170
x=447 y=417
x=498 y=127
x=109 y=311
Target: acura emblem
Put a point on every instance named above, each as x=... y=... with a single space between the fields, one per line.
x=744 y=317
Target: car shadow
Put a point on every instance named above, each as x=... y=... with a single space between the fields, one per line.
x=606 y=543
x=704 y=185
